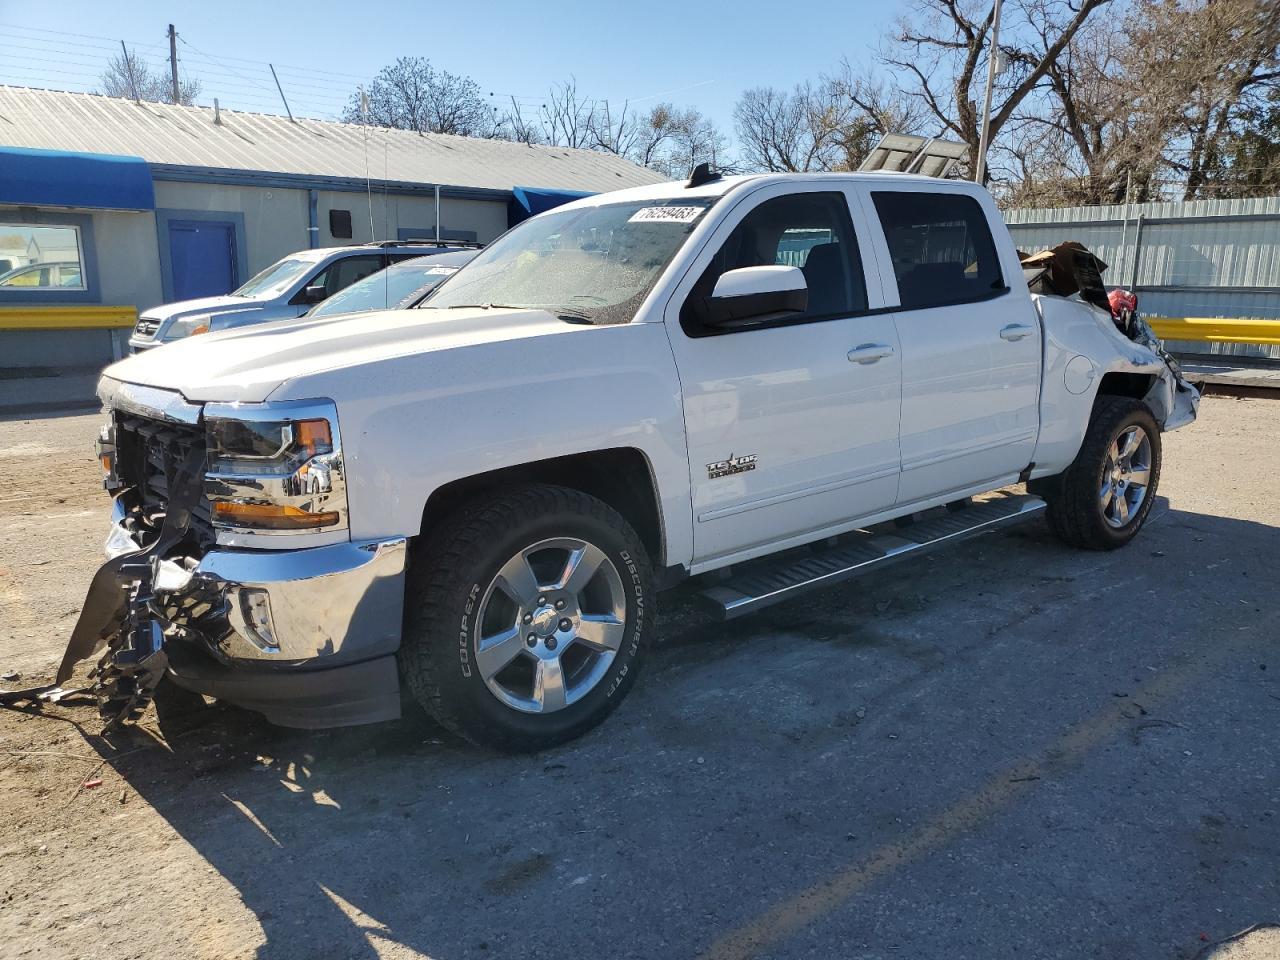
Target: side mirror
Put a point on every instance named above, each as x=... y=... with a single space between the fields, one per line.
x=757 y=295
x=314 y=294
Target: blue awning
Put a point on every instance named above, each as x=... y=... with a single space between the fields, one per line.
x=533 y=200
x=56 y=178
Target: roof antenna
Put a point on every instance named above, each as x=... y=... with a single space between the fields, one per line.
x=133 y=83
x=281 y=91
x=702 y=174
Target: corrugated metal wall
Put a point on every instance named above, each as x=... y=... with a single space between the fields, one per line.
x=1199 y=258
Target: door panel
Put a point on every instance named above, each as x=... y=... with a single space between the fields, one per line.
x=202 y=255
x=971 y=349
x=822 y=427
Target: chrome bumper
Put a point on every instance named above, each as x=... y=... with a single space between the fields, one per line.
x=307 y=608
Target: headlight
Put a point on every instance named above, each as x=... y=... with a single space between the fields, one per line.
x=189 y=327
x=275 y=468
x=106 y=452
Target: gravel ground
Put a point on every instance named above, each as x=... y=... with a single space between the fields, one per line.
x=1006 y=750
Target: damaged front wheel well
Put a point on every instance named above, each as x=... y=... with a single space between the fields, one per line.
x=1135 y=385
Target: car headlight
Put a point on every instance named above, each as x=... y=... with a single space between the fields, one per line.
x=189 y=326
x=275 y=467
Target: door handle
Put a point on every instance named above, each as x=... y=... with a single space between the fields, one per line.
x=1015 y=331
x=865 y=353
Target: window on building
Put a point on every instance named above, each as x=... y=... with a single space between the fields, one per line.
x=941 y=248
x=340 y=224
x=39 y=257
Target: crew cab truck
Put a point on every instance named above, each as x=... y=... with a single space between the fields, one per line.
x=483 y=496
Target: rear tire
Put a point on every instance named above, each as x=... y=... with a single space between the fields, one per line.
x=1101 y=501
x=526 y=617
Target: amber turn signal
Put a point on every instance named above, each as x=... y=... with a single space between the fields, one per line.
x=268 y=516
x=313 y=436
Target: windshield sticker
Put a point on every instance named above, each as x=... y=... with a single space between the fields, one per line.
x=666 y=215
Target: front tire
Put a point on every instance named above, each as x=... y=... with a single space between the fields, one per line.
x=1101 y=501
x=527 y=616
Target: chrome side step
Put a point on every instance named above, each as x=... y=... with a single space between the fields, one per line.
x=760 y=583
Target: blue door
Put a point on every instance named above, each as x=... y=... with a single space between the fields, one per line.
x=203 y=256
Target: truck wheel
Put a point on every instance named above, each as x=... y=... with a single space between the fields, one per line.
x=1101 y=500
x=526 y=617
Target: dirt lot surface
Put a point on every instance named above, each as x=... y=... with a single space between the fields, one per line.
x=1009 y=750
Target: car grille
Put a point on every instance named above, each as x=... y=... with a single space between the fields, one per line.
x=146 y=327
x=148 y=454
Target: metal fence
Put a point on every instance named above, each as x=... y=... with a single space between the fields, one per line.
x=1196 y=259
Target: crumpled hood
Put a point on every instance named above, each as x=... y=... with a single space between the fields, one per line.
x=187 y=308
x=247 y=364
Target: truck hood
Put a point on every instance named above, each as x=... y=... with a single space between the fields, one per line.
x=187 y=308
x=248 y=364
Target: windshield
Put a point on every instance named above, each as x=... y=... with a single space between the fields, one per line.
x=387 y=288
x=589 y=265
x=275 y=278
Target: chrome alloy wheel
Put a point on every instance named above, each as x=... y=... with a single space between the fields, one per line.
x=549 y=625
x=1126 y=475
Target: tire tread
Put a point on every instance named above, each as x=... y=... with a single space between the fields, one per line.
x=440 y=556
x=1071 y=496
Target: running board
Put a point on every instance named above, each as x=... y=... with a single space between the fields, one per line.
x=760 y=583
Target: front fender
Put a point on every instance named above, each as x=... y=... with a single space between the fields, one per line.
x=413 y=424
x=1081 y=347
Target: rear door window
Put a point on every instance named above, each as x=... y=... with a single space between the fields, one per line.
x=941 y=248
x=343 y=273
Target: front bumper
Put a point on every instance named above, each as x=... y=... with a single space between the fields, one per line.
x=305 y=636
x=139 y=344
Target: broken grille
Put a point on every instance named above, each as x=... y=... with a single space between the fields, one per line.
x=148 y=454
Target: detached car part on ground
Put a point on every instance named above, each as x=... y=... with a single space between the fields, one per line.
x=483 y=495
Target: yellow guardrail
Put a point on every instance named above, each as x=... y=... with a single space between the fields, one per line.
x=1216 y=329
x=67 y=317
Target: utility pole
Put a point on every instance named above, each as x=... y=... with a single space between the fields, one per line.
x=173 y=64
x=980 y=165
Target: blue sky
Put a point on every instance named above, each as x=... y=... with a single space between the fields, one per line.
x=699 y=54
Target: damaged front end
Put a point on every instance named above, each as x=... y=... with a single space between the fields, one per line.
x=230 y=569
x=1072 y=270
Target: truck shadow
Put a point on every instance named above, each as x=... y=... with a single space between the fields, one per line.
x=754 y=760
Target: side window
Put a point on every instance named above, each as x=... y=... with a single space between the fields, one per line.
x=941 y=248
x=343 y=273
x=811 y=231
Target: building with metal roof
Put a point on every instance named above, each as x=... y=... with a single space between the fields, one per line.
x=119 y=188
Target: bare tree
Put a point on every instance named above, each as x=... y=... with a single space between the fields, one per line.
x=1204 y=67
x=566 y=116
x=942 y=52
x=128 y=75
x=411 y=94
x=664 y=137
x=828 y=124
x=1145 y=108
x=514 y=125
x=791 y=131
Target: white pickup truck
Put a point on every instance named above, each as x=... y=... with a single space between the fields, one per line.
x=483 y=496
